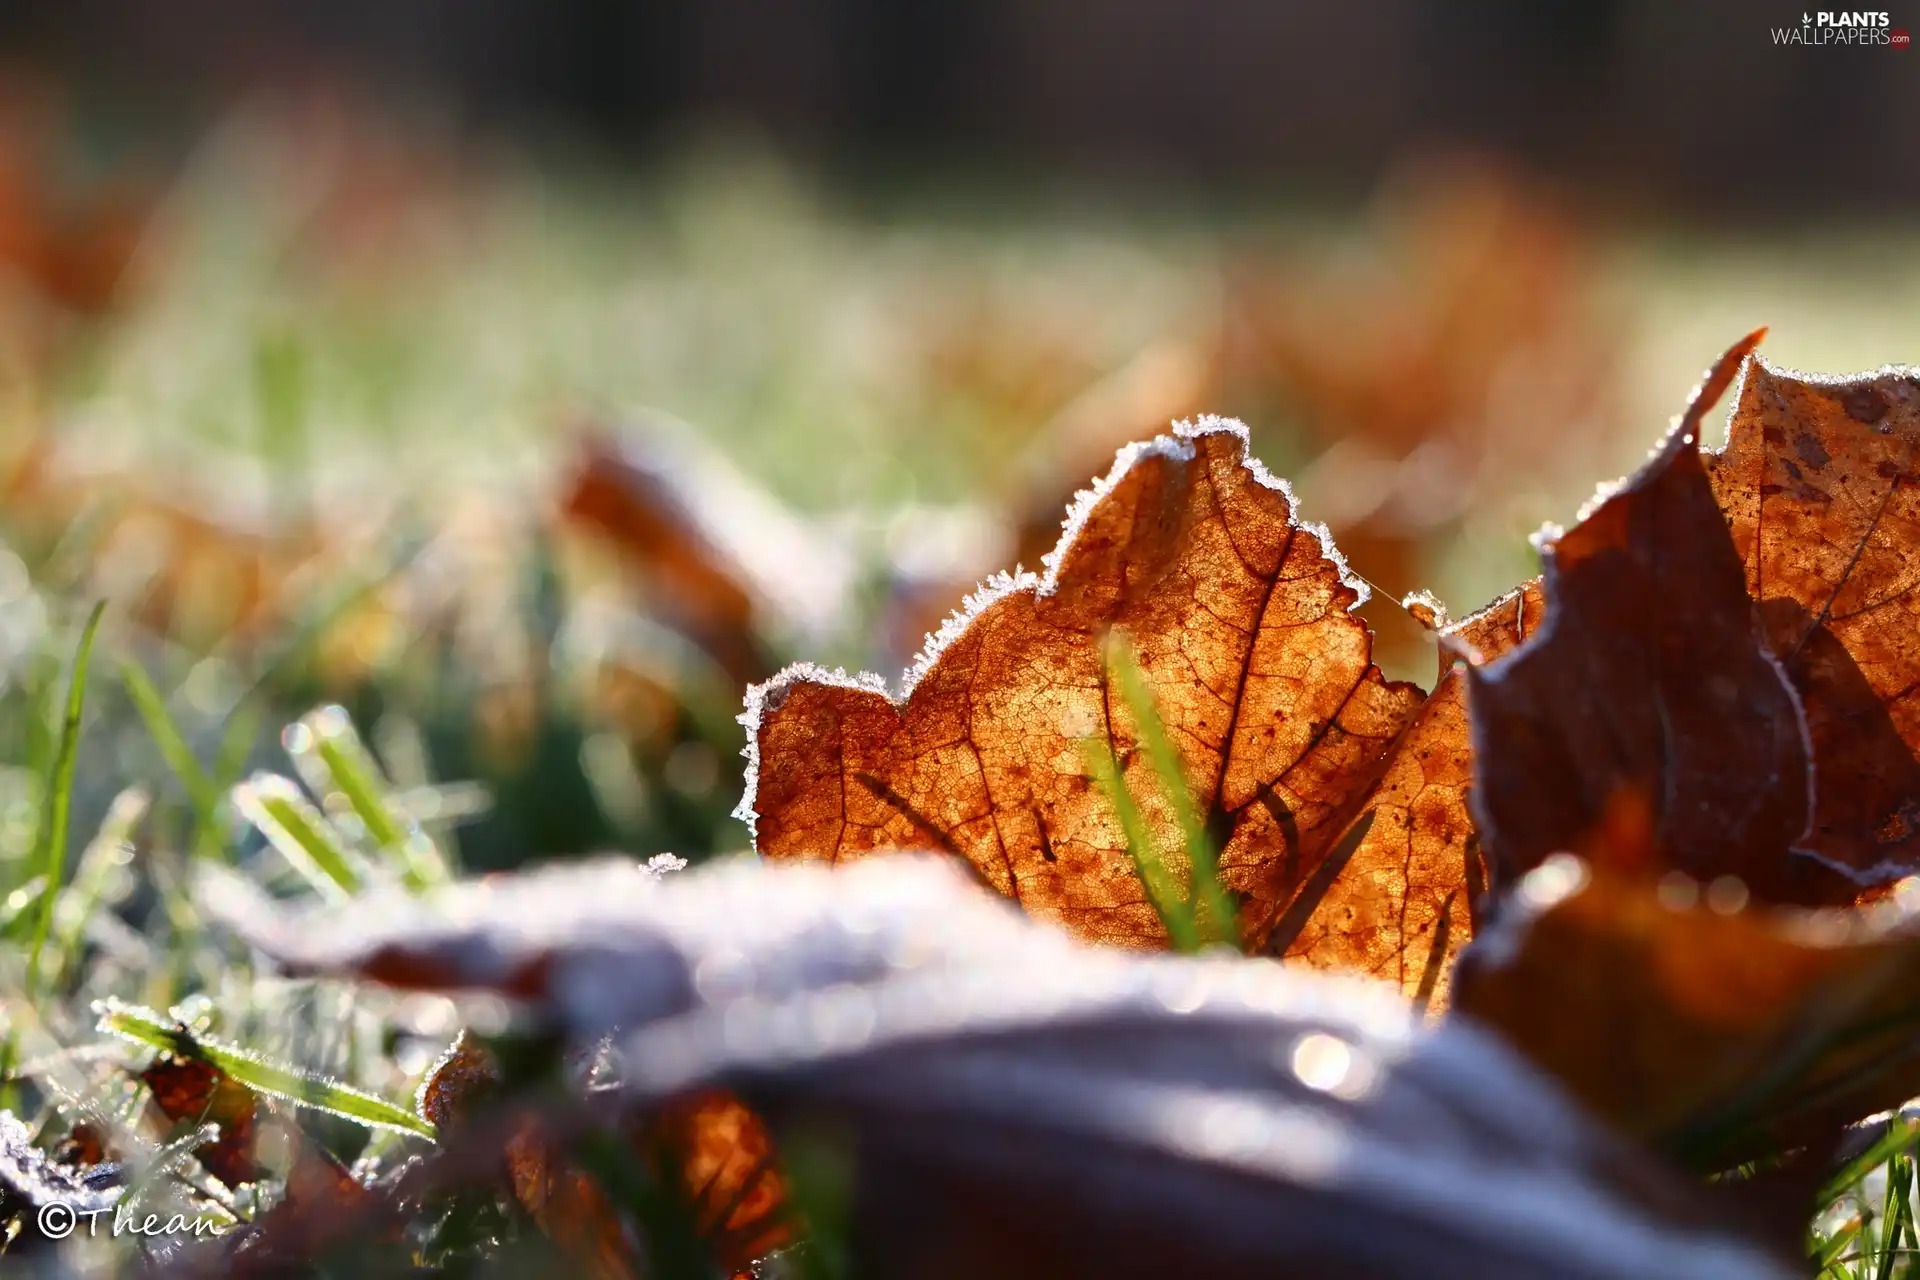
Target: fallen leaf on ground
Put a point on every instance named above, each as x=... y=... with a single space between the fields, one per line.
x=711 y=552
x=1018 y=1104
x=570 y=1206
x=1815 y=492
x=191 y=1092
x=321 y=1204
x=1821 y=489
x=1407 y=901
x=1241 y=619
x=728 y=1172
x=720 y=1149
x=31 y=1179
x=1241 y=616
x=1649 y=687
x=1717 y=1031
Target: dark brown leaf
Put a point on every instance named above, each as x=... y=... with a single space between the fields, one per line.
x=569 y=1206
x=321 y=1205
x=563 y=1201
x=1648 y=694
x=457 y=1083
x=32 y=1178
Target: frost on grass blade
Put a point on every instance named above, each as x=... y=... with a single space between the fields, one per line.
x=31 y=1176
x=302 y=834
x=144 y=1026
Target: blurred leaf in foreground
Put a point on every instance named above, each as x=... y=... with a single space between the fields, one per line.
x=1018 y=1104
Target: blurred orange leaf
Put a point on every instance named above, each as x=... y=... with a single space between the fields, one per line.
x=1718 y=1032
x=720 y=1149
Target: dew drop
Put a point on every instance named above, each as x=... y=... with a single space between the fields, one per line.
x=1678 y=891
x=1727 y=895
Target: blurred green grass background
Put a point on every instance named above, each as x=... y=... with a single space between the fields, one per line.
x=340 y=348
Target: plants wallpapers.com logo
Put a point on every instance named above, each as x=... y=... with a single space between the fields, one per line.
x=1847 y=29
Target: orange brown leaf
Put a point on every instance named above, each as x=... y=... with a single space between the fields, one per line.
x=1821 y=489
x=1407 y=899
x=1241 y=617
x=722 y=1152
x=1715 y=1031
x=569 y=1206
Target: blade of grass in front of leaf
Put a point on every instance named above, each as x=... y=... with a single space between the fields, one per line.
x=1213 y=914
x=1174 y=911
x=818 y=1165
x=1909 y=1230
x=675 y=1247
x=301 y=834
x=57 y=804
x=144 y=1026
x=202 y=793
x=1781 y=1088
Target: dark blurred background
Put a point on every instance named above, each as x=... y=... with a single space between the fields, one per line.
x=1680 y=106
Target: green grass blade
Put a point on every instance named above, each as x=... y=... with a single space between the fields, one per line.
x=1896 y=1213
x=110 y=849
x=144 y=1026
x=304 y=837
x=1837 y=1244
x=1171 y=906
x=57 y=807
x=1900 y=1135
x=203 y=794
x=326 y=738
x=1214 y=914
